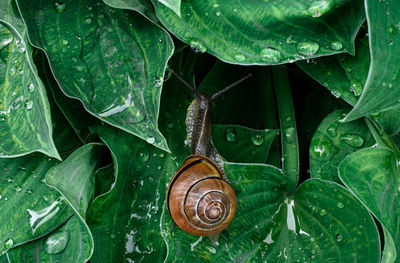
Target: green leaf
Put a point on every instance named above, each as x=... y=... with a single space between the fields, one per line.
x=74 y=178
x=372 y=175
x=333 y=141
x=104 y=179
x=265 y=32
x=129 y=213
x=381 y=91
x=25 y=122
x=174 y=5
x=111 y=60
x=29 y=208
x=270 y=226
x=389 y=253
x=69 y=243
x=240 y=144
x=142 y=6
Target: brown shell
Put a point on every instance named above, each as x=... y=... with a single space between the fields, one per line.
x=199 y=200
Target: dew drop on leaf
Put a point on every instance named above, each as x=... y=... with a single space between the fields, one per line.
x=197 y=46
x=60 y=7
x=17 y=189
x=31 y=87
x=88 y=21
x=307 y=48
x=340 y=205
x=143 y=155
x=8 y=243
x=257 y=139
x=336 y=45
x=240 y=57
x=64 y=42
x=332 y=129
x=290 y=134
x=230 y=135
x=270 y=55
x=28 y=104
x=339 y=238
x=321 y=149
x=352 y=140
x=356 y=88
x=56 y=243
x=323 y=212
x=150 y=140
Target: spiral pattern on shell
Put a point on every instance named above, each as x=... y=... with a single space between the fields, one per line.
x=199 y=200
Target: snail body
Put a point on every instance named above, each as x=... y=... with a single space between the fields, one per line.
x=199 y=198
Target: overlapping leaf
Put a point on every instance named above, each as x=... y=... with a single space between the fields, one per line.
x=333 y=141
x=25 y=122
x=265 y=32
x=372 y=175
x=382 y=89
x=112 y=60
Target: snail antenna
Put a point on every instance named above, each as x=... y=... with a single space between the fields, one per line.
x=219 y=93
x=195 y=92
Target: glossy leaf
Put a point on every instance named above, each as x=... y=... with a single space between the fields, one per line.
x=69 y=243
x=29 y=208
x=269 y=226
x=372 y=175
x=333 y=141
x=266 y=32
x=74 y=178
x=25 y=122
x=142 y=6
x=174 y=5
x=381 y=91
x=104 y=179
x=129 y=213
x=240 y=144
x=111 y=60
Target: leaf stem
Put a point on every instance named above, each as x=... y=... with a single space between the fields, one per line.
x=290 y=149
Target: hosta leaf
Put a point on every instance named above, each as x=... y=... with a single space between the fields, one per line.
x=174 y=5
x=112 y=60
x=129 y=214
x=265 y=32
x=104 y=179
x=345 y=77
x=142 y=6
x=29 y=208
x=320 y=222
x=240 y=144
x=69 y=243
x=333 y=141
x=74 y=178
x=25 y=122
x=382 y=89
x=372 y=175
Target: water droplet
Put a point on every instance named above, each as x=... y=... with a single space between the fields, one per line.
x=88 y=21
x=339 y=238
x=270 y=55
x=318 y=8
x=332 y=129
x=56 y=242
x=79 y=68
x=307 y=48
x=336 y=45
x=240 y=57
x=150 y=140
x=9 y=180
x=218 y=13
x=158 y=81
x=321 y=149
x=8 y=243
x=28 y=104
x=290 y=134
x=340 y=205
x=143 y=155
x=356 y=88
x=60 y=7
x=31 y=87
x=257 y=139
x=197 y=45
x=323 y=212
x=64 y=42
x=352 y=140
x=17 y=189
x=230 y=135
x=78 y=37
x=336 y=93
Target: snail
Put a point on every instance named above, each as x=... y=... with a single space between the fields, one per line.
x=199 y=198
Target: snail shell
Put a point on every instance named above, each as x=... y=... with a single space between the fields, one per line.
x=199 y=200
